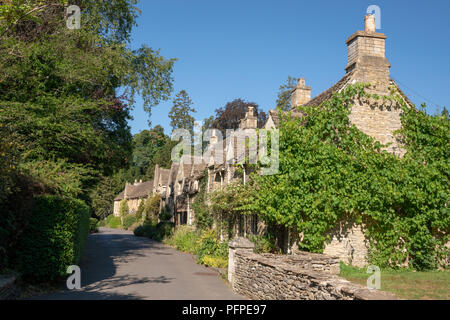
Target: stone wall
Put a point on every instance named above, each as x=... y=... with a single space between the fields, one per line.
x=348 y=243
x=303 y=276
x=269 y=278
x=380 y=123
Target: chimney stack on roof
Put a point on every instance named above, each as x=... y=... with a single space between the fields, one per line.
x=301 y=94
x=250 y=121
x=213 y=139
x=366 y=53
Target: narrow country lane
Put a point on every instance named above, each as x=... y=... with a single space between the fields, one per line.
x=118 y=265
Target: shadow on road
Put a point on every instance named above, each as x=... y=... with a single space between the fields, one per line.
x=104 y=252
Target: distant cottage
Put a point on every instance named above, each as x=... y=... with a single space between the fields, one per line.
x=133 y=194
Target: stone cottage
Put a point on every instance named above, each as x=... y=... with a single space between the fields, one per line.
x=185 y=186
x=133 y=194
x=367 y=63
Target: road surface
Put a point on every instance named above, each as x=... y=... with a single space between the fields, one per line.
x=117 y=265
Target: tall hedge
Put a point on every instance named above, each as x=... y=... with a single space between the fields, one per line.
x=54 y=239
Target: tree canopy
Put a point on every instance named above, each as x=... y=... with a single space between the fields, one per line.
x=65 y=101
x=67 y=94
x=284 y=94
x=181 y=113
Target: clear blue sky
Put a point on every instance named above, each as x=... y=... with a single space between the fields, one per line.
x=247 y=48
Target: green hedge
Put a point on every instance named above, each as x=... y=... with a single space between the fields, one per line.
x=128 y=221
x=93 y=225
x=54 y=239
x=153 y=231
x=113 y=222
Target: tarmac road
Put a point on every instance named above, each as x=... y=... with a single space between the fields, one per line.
x=119 y=266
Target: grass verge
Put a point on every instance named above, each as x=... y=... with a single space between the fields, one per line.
x=406 y=284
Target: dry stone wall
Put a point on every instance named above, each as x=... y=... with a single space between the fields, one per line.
x=303 y=276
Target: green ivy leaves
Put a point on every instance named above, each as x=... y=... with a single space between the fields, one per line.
x=330 y=171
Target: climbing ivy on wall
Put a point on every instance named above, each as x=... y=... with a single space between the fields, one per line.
x=203 y=215
x=330 y=171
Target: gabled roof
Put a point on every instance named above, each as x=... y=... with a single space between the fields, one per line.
x=198 y=169
x=341 y=84
x=327 y=94
x=164 y=177
x=136 y=191
x=275 y=118
x=119 y=196
x=402 y=94
x=189 y=166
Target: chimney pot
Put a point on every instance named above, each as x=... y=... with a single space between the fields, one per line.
x=369 y=22
x=251 y=110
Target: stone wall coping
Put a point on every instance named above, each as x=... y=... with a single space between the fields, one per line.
x=301 y=255
x=333 y=282
x=241 y=243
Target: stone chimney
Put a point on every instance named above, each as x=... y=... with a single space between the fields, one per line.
x=301 y=94
x=213 y=139
x=366 y=54
x=250 y=121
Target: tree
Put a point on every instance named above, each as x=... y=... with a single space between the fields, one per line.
x=65 y=98
x=146 y=144
x=140 y=210
x=228 y=117
x=102 y=196
x=163 y=158
x=284 y=94
x=124 y=210
x=181 y=112
x=207 y=123
x=67 y=94
x=151 y=211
